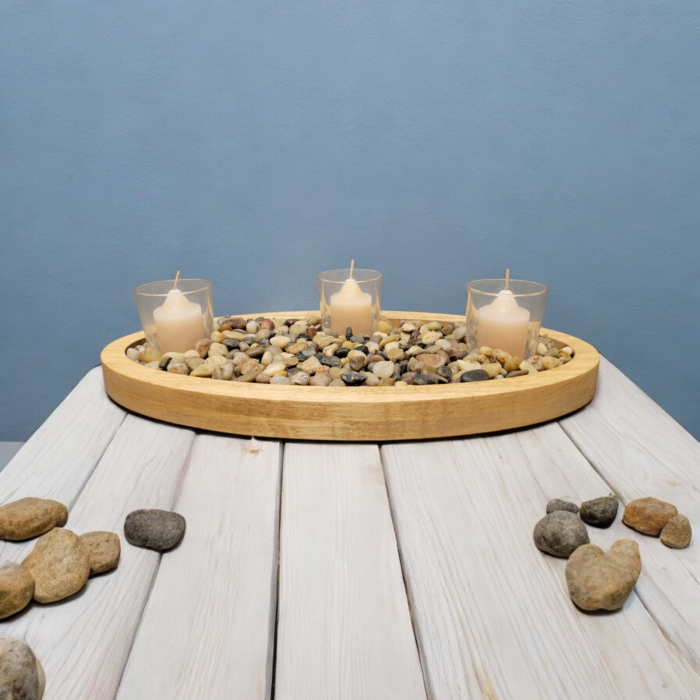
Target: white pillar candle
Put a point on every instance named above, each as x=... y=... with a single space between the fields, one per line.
x=179 y=323
x=351 y=307
x=503 y=324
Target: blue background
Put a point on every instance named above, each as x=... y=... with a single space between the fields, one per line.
x=258 y=143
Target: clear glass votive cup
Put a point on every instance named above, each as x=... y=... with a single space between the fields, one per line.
x=509 y=321
x=180 y=322
x=350 y=304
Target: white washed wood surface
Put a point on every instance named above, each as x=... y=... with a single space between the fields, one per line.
x=639 y=450
x=491 y=613
x=83 y=642
x=208 y=629
x=59 y=457
x=344 y=630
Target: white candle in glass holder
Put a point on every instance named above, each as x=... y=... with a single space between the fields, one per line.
x=351 y=307
x=179 y=323
x=503 y=324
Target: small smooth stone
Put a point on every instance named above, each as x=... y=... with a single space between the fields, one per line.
x=491 y=368
x=216 y=337
x=560 y=533
x=603 y=581
x=251 y=376
x=275 y=368
x=323 y=379
x=387 y=381
x=371 y=379
x=648 y=515
x=203 y=370
x=541 y=349
x=465 y=366
x=517 y=373
x=104 y=550
x=501 y=356
x=310 y=366
x=30 y=517
x=16 y=588
x=191 y=353
x=400 y=383
x=425 y=379
x=256 y=352
x=335 y=372
x=383 y=369
x=459 y=333
x=599 y=512
x=281 y=341
x=155 y=529
x=357 y=363
x=384 y=327
x=236 y=322
x=132 y=354
x=535 y=361
x=252 y=327
x=474 y=375
x=262 y=379
x=431 y=360
x=152 y=355
x=558 y=504
x=512 y=365
x=152 y=365
x=224 y=372
x=353 y=378
x=301 y=378
x=528 y=368
x=549 y=362
x=215 y=360
x=218 y=349
x=677 y=532
x=280 y=379
x=338 y=382
x=59 y=565
x=21 y=674
x=175 y=367
x=194 y=362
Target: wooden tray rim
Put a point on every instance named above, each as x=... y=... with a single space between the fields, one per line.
x=586 y=359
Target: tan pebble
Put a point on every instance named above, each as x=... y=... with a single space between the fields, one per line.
x=59 y=564
x=492 y=368
x=153 y=365
x=215 y=360
x=459 y=333
x=250 y=376
x=16 y=589
x=395 y=354
x=266 y=359
x=549 y=362
x=541 y=349
x=191 y=353
x=383 y=369
x=193 y=362
x=281 y=341
x=329 y=350
x=322 y=379
x=431 y=337
x=567 y=350
x=535 y=361
x=501 y=356
x=202 y=347
x=528 y=367
x=217 y=349
x=648 y=515
x=309 y=366
x=384 y=327
x=275 y=368
x=104 y=550
x=431 y=360
x=216 y=337
x=400 y=383
x=434 y=326
x=203 y=370
x=151 y=355
x=482 y=359
x=175 y=356
x=337 y=382
x=387 y=381
x=262 y=379
x=512 y=365
x=249 y=365
x=280 y=379
x=677 y=532
x=408 y=328
x=175 y=367
x=485 y=350
x=132 y=354
x=21 y=674
x=371 y=379
x=389 y=339
x=223 y=372
x=335 y=372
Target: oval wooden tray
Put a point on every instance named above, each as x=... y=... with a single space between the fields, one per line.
x=374 y=414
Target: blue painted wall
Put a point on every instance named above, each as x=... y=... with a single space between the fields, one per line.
x=258 y=143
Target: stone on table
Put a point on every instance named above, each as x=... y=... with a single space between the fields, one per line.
x=559 y=504
x=21 y=675
x=30 y=517
x=677 y=532
x=560 y=533
x=648 y=515
x=104 y=550
x=16 y=589
x=155 y=529
x=599 y=512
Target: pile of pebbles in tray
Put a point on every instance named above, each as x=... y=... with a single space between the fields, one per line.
x=297 y=351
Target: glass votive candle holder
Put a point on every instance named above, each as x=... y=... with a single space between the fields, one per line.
x=173 y=320
x=350 y=303
x=509 y=320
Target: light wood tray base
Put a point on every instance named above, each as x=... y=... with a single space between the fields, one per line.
x=376 y=414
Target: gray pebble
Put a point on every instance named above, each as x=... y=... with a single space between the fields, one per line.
x=599 y=512
x=160 y=530
x=560 y=533
x=21 y=674
x=558 y=504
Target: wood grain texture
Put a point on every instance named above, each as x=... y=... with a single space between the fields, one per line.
x=492 y=615
x=344 y=629
x=60 y=456
x=217 y=590
x=83 y=642
x=362 y=414
x=639 y=450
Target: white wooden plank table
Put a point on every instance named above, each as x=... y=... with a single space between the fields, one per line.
x=360 y=572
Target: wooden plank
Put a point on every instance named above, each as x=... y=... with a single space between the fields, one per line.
x=639 y=450
x=59 y=457
x=344 y=628
x=83 y=642
x=492 y=615
x=209 y=624
x=404 y=413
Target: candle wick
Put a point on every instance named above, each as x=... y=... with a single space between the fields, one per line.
x=507 y=278
x=177 y=277
x=352 y=267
